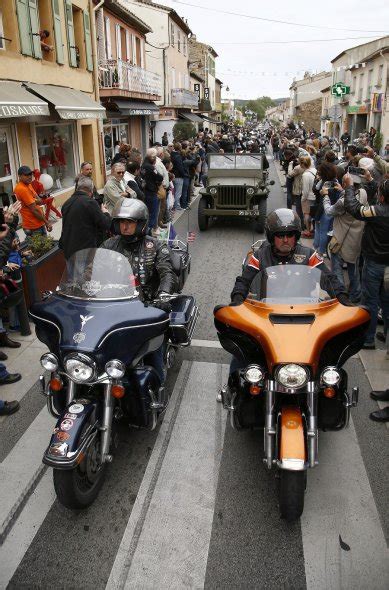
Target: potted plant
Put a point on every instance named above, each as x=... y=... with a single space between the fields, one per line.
x=44 y=267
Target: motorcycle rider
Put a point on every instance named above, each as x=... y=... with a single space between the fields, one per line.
x=149 y=258
x=283 y=231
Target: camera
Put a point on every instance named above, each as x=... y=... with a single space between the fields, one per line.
x=362 y=150
x=328 y=184
x=356 y=170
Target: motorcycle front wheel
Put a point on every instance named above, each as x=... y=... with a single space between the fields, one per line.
x=79 y=487
x=291 y=494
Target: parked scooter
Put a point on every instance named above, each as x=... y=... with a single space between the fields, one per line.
x=291 y=338
x=99 y=333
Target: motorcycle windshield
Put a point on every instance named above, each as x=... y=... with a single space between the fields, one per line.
x=98 y=274
x=291 y=283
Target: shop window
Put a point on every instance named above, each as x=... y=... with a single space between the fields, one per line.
x=114 y=135
x=6 y=183
x=55 y=145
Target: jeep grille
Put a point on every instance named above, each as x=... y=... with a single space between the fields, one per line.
x=231 y=196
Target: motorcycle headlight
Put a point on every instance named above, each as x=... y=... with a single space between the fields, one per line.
x=253 y=374
x=49 y=362
x=115 y=369
x=292 y=376
x=250 y=191
x=330 y=376
x=80 y=368
x=213 y=190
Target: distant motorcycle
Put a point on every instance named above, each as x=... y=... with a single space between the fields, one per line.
x=99 y=333
x=292 y=338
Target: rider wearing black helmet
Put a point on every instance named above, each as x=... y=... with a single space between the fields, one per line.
x=149 y=258
x=283 y=231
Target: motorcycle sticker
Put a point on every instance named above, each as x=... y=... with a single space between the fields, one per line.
x=62 y=436
x=71 y=416
x=76 y=408
x=299 y=258
x=149 y=245
x=67 y=424
x=85 y=319
x=79 y=337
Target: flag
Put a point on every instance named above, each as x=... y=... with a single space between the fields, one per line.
x=191 y=236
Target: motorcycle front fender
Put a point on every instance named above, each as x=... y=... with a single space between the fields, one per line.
x=292 y=443
x=73 y=433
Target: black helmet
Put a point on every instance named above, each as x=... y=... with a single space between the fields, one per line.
x=282 y=221
x=134 y=210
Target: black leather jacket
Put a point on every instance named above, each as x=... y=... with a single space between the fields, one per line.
x=151 y=263
x=265 y=257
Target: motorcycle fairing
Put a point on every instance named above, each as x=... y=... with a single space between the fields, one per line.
x=301 y=343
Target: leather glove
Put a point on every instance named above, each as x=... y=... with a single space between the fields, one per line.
x=343 y=298
x=237 y=300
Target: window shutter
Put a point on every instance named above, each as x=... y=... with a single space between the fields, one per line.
x=118 y=42
x=128 y=45
x=88 y=42
x=133 y=50
x=58 y=32
x=108 y=45
x=34 y=23
x=142 y=54
x=70 y=29
x=100 y=35
x=24 y=26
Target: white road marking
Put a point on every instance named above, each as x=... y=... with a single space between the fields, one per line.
x=167 y=538
x=206 y=344
x=339 y=501
x=26 y=527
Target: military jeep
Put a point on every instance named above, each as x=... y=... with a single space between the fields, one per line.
x=237 y=186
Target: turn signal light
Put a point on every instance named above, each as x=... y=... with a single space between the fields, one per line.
x=117 y=391
x=329 y=392
x=255 y=390
x=56 y=384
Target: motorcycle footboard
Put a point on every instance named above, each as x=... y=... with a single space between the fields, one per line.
x=72 y=435
x=292 y=440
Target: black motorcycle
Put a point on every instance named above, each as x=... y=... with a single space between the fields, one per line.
x=99 y=333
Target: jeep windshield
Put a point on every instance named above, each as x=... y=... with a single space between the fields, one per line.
x=235 y=162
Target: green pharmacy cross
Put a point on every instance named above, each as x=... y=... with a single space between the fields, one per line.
x=339 y=89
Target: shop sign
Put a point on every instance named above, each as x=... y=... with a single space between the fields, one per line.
x=197 y=89
x=25 y=110
x=135 y=112
x=358 y=110
x=81 y=114
x=206 y=93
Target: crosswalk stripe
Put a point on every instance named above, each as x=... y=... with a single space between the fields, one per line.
x=339 y=498
x=166 y=541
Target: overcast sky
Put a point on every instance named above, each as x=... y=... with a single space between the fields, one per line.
x=224 y=32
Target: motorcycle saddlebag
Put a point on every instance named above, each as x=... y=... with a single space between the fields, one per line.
x=180 y=259
x=183 y=320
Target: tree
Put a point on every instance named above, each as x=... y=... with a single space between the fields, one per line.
x=259 y=105
x=183 y=131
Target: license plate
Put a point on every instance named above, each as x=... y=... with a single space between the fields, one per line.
x=247 y=213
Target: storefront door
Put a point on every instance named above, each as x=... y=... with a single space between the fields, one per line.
x=7 y=166
x=115 y=133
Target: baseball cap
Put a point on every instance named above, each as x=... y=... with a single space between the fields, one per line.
x=366 y=164
x=26 y=170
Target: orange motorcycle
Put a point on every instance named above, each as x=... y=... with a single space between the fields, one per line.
x=290 y=340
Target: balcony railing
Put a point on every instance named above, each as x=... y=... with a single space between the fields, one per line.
x=125 y=76
x=180 y=97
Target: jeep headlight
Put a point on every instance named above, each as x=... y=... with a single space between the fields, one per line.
x=49 y=362
x=80 y=368
x=250 y=191
x=330 y=376
x=213 y=190
x=292 y=376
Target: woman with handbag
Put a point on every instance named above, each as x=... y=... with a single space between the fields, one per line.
x=345 y=244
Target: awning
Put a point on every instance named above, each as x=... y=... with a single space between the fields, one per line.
x=191 y=117
x=205 y=118
x=16 y=101
x=69 y=103
x=132 y=108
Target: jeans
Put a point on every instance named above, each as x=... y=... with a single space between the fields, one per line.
x=353 y=275
x=41 y=231
x=152 y=204
x=276 y=155
x=156 y=360
x=185 y=192
x=322 y=227
x=178 y=184
x=289 y=196
x=373 y=295
x=299 y=211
